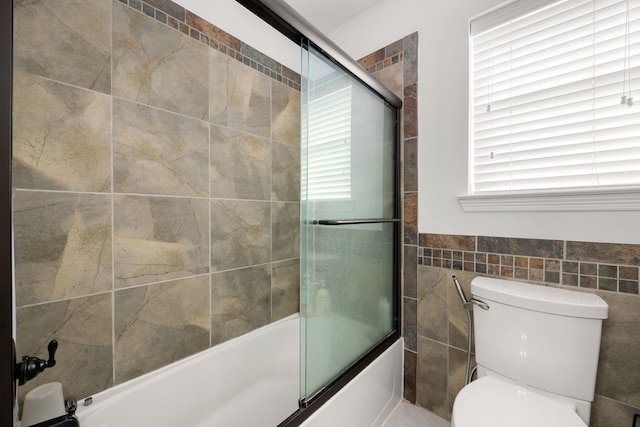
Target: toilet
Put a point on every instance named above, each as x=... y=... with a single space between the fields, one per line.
x=537 y=353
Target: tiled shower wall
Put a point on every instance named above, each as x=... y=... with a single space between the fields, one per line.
x=396 y=66
x=434 y=322
x=156 y=176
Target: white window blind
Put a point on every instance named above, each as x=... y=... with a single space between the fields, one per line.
x=327 y=165
x=552 y=97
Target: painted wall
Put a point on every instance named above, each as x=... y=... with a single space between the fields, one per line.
x=442 y=148
x=156 y=187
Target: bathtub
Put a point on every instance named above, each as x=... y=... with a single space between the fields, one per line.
x=250 y=381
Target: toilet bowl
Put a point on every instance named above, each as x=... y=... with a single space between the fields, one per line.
x=490 y=402
x=537 y=351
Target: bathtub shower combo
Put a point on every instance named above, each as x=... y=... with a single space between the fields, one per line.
x=208 y=389
x=339 y=360
x=345 y=337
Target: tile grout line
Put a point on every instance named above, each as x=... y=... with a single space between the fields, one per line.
x=113 y=218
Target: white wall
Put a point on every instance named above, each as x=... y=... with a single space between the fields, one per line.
x=442 y=108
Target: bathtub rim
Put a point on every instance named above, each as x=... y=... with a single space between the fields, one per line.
x=304 y=412
x=297 y=418
x=119 y=391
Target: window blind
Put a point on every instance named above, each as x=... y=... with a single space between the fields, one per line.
x=327 y=165
x=552 y=98
x=506 y=12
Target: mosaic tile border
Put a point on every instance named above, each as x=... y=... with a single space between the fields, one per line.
x=606 y=275
x=405 y=52
x=188 y=23
x=383 y=58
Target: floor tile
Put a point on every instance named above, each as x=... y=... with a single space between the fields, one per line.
x=408 y=415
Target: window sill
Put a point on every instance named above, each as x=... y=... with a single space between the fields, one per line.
x=600 y=200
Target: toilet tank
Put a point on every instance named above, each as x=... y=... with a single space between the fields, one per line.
x=545 y=337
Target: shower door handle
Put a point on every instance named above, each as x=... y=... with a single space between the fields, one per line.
x=353 y=221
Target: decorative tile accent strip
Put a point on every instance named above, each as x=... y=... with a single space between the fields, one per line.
x=529 y=247
x=610 y=253
x=411 y=218
x=457 y=253
x=466 y=243
x=401 y=52
x=383 y=58
x=410 y=164
x=410 y=113
x=178 y=18
x=396 y=66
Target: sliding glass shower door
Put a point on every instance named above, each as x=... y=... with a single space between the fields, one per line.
x=350 y=221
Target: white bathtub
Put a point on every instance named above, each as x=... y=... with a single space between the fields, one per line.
x=250 y=381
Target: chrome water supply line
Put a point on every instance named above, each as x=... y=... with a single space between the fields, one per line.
x=468 y=304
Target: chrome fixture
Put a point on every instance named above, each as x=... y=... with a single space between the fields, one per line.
x=468 y=304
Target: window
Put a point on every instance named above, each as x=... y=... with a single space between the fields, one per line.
x=328 y=162
x=552 y=99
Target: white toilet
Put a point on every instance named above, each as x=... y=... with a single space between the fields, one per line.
x=537 y=353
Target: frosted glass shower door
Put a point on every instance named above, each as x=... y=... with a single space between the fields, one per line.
x=350 y=221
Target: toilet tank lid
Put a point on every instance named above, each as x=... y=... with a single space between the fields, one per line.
x=540 y=298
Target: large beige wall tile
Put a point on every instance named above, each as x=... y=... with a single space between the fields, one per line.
x=157 y=152
x=82 y=327
x=218 y=77
x=240 y=302
x=432 y=377
x=433 y=304
x=164 y=322
x=285 y=172
x=285 y=230
x=619 y=365
x=159 y=238
x=285 y=288
x=392 y=78
x=606 y=412
x=240 y=165
x=240 y=96
x=158 y=66
x=455 y=376
x=61 y=136
x=62 y=245
x=285 y=113
x=240 y=233
x=64 y=40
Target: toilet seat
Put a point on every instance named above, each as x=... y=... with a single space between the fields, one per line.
x=490 y=402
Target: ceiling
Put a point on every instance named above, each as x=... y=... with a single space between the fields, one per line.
x=328 y=15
